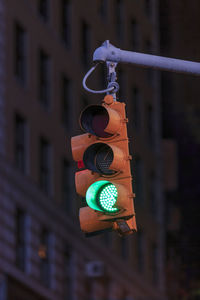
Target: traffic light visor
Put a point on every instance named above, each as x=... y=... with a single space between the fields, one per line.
x=100 y=121
x=102 y=195
x=94 y=119
x=98 y=158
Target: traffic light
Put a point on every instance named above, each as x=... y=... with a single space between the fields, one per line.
x=105 y=179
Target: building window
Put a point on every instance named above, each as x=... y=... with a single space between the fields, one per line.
x=148 y=48
x=85 y=43
x=152 y=194
x=66 y=183
x=84 y=102
x=140 y=251
x=134 y=36
x=166 y=27
x=138 y=181
x=44 y=256
x=66 y=21
x=4 y=288
x=127 y=297
x=89 y=289
x=136 y=108
x=66 y=99
x=103 y=8
x=107 y=238
x=103 y=77
x=124 y=247
x=124 y=296
x=119 y=18
x=20 y=56
x=43 y=8
x=148 y=7
x=20 y=143
x=149 y=124
x=44 y=78
x=106 y=287
x=153 y=262
x=122 y=84
x=68 y=276
x=20 y=239
x=45 y=166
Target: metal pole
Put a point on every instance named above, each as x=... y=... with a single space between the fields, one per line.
x=108 y=52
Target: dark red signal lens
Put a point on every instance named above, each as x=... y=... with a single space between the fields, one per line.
x=94 y=119
x=99 y=123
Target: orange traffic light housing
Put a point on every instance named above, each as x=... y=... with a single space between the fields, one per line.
x=106 y=181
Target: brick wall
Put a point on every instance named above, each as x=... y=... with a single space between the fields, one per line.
x=18 y=191
x=40 y=212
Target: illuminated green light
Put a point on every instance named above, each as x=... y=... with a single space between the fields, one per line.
x=108 y=197
x=102 y=195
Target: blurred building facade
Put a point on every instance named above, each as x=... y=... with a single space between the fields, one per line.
x=179 y=37
x=46 y=48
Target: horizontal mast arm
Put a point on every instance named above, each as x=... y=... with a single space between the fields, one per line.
x=108 y=52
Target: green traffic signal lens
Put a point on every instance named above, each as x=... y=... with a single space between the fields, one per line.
x=108 y=197
x=102 y=195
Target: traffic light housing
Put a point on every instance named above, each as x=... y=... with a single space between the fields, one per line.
x=105 y=181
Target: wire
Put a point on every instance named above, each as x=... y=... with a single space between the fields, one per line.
x=93 y=91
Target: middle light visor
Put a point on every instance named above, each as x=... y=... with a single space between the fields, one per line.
x=98 y=158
